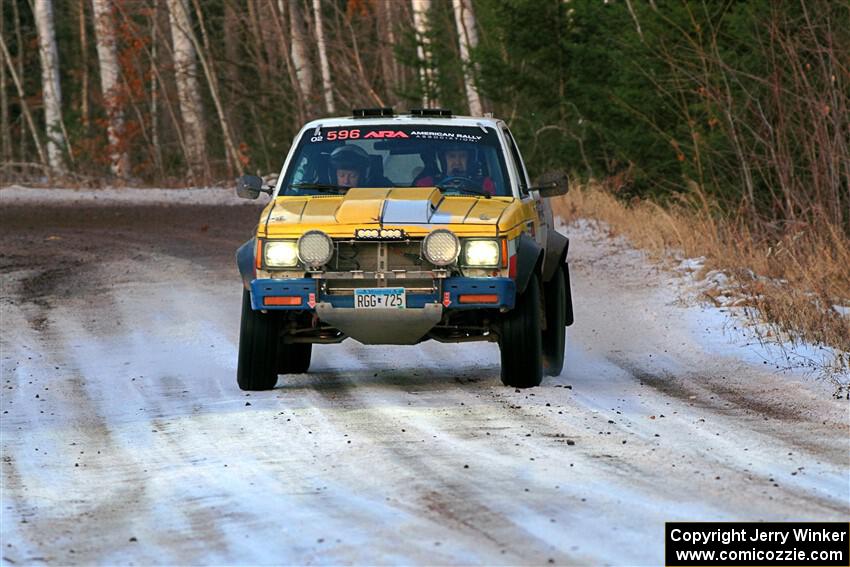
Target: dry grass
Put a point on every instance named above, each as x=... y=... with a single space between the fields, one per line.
x=791 y=275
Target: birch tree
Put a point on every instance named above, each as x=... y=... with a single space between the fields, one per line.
x=300 y=54
x=50 y=87
x=468 y=39
x=188 y=89
x=107 y=55
x=427 y=72
x=327 y=86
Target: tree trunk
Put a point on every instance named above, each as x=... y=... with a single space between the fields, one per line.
x=286 y=54
x=107 y=54
x=327 y=87
x=84 y=80
x=50 y=86
x=188 y=90
x=5 y=134
x=154 y=102
x=300 y=54
x=389 y=65
x=468 y=38
x=427 y=73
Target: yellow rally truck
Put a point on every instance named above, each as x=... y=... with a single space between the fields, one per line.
x=397 y=229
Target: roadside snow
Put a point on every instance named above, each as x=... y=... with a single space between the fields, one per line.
x=726 y=324
x=17 y=194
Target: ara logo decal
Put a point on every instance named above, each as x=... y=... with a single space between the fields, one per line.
x=311 y=300
x=447 y=298
x=386 y=134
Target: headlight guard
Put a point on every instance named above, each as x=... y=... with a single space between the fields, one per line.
x=441 y=247
x=315 y=248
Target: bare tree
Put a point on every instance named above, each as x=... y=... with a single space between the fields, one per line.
x=25 y=108
x=5 y=135
x=468 y=38
x=386 y=47
x=107 y=54
x=427 y=72
x=188 y=89
x=327 y=86
x=300 y=54
x=51 y=88
x=84 y=79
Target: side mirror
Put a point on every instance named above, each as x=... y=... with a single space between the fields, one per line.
x=250 y=187
x=552 y=184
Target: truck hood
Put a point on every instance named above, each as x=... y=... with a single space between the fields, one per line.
x=425 y=206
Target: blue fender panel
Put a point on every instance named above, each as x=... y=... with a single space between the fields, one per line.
x=245 y=262
x=301 y=287
x=505 y=288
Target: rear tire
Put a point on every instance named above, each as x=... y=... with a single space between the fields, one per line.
x=521 y=340
x=293 y=358
x=555 y=335
x=258 y=337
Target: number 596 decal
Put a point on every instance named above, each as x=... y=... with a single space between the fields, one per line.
x=343 y=135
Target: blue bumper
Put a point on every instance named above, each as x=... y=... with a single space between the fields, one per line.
x=451 y=289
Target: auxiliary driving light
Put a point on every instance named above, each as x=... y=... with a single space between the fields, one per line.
x=441 y=247
x=315 y=248
x=376 y=234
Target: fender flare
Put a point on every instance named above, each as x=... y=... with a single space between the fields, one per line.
x=529 y=258
x=245 y=262
x=556 y=253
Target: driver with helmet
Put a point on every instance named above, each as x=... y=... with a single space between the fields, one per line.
x=349 y=165
x=457 y=163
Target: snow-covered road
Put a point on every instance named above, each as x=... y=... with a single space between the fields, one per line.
x=126 y=440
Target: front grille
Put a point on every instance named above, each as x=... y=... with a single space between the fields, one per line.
x=367 y=256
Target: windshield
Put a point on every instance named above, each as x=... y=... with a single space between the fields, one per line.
x=464 y=160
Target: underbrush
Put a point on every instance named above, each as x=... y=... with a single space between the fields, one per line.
x=793 y=279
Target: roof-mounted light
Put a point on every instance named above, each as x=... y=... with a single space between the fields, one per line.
x=431 y=112
x=382 y=112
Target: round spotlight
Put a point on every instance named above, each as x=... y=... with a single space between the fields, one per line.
x=441 y=247
x=315 y=248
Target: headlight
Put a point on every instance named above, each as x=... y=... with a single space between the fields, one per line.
x=481 y=253
x=315 y=248
x=281 y=254
x=441 y=247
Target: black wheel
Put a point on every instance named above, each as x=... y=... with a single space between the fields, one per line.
x=555 y=335
x=293 y=358
x=256 y=368
x=521 y=340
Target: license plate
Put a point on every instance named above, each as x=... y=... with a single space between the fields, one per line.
x=380 y=298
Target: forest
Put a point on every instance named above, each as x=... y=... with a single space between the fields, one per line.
x=746 y=101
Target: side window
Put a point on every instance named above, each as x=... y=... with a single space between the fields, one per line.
x=520 y=166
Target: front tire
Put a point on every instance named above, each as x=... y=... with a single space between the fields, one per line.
x=520 y=341
x=555 y=335
x=258 y=337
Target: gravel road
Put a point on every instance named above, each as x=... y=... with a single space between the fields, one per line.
x=126 y=440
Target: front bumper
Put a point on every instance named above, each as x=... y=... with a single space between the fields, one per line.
x=456 y=293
